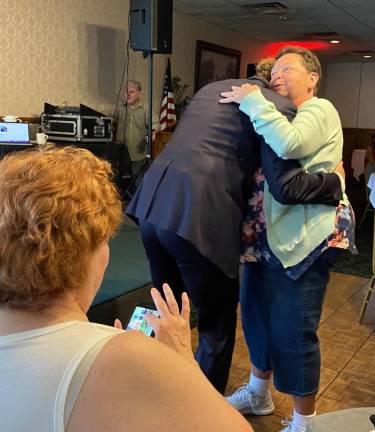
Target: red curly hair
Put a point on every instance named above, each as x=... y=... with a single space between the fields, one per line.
x=56 y=207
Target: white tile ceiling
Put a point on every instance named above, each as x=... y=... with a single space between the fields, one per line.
x=353 y=20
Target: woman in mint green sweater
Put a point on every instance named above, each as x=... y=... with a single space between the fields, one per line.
x=285 y=292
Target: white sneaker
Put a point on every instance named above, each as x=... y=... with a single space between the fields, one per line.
x=291 y=427
x=247 y=402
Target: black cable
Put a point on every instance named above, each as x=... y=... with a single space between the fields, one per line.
x=125 y=72
x=116 y=110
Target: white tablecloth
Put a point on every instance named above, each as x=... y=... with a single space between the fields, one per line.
x=358 y=162
x=353 y=420
x=371 y=186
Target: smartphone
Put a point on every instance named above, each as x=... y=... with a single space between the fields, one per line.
x=137 y=320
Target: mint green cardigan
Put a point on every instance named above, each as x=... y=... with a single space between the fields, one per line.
x=315 y=138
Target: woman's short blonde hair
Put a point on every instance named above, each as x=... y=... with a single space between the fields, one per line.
x=56 y=207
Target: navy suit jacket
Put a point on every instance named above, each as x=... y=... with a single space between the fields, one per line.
x=197 y=187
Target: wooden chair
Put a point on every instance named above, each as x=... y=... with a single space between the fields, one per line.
x=369 y=169
x=372 y=281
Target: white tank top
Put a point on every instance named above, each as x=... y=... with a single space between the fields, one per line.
x=42 y=371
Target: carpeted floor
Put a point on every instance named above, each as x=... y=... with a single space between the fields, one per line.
x=128 y=266
x=358 y=265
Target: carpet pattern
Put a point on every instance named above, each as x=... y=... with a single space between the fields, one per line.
x=128 y=266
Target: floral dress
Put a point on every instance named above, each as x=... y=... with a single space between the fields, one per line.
x=254 y=244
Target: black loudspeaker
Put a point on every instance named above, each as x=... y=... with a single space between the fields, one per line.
x=151 y=25
x=251 y=71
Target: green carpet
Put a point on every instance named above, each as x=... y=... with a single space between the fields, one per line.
x=128 y=266
x=361 y=264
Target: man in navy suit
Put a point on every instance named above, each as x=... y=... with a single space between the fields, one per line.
x=190 y=205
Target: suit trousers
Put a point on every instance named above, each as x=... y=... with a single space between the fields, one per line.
x=215 y=296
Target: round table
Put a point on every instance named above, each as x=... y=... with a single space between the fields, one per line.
x=349 y=420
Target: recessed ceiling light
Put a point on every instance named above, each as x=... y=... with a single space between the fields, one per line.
x=367 y=56
x=334 y=41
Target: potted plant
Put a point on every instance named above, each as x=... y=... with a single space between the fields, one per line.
x=180 y=100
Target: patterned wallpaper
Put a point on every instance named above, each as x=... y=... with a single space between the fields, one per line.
x=61 y=50
x=74 y=51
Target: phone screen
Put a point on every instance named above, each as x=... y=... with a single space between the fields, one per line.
x=138 y=322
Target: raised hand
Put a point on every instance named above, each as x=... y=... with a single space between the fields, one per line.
x=172 y=328
x=117 y=324
x=340 y=169
x=238 y=93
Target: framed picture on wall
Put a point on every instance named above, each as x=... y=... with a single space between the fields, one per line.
x=215 y=63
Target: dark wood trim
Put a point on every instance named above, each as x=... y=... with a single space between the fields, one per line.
x=161 y=141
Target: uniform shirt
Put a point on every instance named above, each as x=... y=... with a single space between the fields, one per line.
x=132 y=127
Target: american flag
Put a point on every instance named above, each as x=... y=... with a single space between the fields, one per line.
x=167 y=110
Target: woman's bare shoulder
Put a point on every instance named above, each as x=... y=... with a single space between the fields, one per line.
x=118 y=368
x=137 y=383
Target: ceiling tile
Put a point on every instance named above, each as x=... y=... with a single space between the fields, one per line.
x=215 y=20
x=248 y=2
x=186 y=8
x=224 y=11
x=206 y=3
x=353 y=20
x=344 y=3
x=365 y=15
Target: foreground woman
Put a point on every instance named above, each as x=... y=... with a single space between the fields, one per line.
x=58 y=372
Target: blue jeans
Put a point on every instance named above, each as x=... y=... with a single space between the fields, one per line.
x=280 y=318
